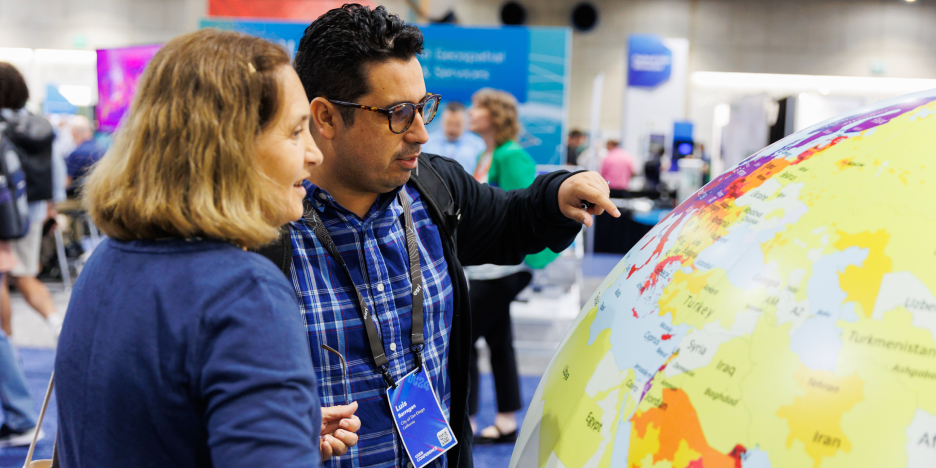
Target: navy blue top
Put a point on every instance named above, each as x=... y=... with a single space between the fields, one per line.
x=83 y=157
x=184 y=353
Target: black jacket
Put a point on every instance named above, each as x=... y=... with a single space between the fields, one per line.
x=493 y=226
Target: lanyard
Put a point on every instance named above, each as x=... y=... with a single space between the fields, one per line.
x=416 y=336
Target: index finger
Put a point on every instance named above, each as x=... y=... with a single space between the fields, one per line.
x=601 y=200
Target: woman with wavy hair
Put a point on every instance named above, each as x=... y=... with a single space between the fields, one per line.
x=180 y=347
x=505 y=164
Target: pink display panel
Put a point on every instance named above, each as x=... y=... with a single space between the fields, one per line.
x=118 y=71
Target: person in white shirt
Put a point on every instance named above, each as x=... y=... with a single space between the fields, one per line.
x=452 y=141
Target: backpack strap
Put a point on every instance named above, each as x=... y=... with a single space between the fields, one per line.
x=279 y=251
x=437 y=197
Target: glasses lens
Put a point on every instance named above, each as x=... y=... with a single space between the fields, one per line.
x=430 y=108
x=402 y=117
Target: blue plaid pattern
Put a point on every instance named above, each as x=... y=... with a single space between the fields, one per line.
x=375 y=251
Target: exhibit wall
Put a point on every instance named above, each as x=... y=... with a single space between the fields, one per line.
x=831 y=37
x=836 y=37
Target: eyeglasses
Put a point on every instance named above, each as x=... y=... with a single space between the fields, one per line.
x=401 y=116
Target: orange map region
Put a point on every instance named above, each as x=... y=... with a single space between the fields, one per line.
x=710 y=216
x=675 y=423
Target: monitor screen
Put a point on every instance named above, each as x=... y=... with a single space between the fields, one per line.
x=118 y=71
x=684 y=149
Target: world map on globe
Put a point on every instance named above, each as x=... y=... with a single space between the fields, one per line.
x=783 y=316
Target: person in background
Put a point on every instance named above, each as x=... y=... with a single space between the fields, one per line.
x=180 y=347
x=87 y=151
x=19 y=417
x=453 y=141
x=33 y=135
x=653 y=169
x=617 y=167
x=707 y=168
x=576 y=144
x=504 y=164
x=61 y=148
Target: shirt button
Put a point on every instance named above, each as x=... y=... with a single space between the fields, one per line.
x=392 y=346
x=322 y=195
x=380 y=287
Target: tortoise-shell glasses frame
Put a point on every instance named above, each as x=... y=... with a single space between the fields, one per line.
x=402 y=114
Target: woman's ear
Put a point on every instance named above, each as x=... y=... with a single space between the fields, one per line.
x=325 y=117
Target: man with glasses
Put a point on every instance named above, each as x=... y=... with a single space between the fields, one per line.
x=377 y=252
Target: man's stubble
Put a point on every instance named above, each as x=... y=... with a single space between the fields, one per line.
x=352 y=171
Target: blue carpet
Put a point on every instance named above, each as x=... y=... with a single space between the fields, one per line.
x=600 y=264
x=38 y=364
x=498 y=456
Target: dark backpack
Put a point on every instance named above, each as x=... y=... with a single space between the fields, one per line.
x=14 y=208
x=435 y=195
x=32 y=136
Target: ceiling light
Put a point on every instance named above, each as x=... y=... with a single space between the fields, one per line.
x=800 y=83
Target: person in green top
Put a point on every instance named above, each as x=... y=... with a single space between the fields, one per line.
x=505 y=164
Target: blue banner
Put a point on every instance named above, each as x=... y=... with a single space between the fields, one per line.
x=286 y=34
x=649 y=62
x=530 y=63
x=458 y=61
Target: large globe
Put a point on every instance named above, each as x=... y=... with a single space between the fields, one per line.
x=783 y=316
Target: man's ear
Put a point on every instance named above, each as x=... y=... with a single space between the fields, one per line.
x=325 y=118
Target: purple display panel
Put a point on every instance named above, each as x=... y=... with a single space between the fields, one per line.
x=118 y=71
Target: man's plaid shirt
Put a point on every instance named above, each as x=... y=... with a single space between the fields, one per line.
x=375 y=251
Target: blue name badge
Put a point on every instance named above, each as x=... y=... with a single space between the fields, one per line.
x=419 y=419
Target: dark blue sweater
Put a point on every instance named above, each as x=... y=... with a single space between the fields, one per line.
x=182 y=353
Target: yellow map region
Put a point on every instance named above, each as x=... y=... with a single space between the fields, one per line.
x=569 y=425
x=815 y=418
x=863 y=283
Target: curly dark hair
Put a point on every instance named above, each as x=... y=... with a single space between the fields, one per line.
x=13 y=90
x=337 y=47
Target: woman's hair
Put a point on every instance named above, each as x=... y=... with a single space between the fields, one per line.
x=503 y=109
x=183 y=164
x=13 y=90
